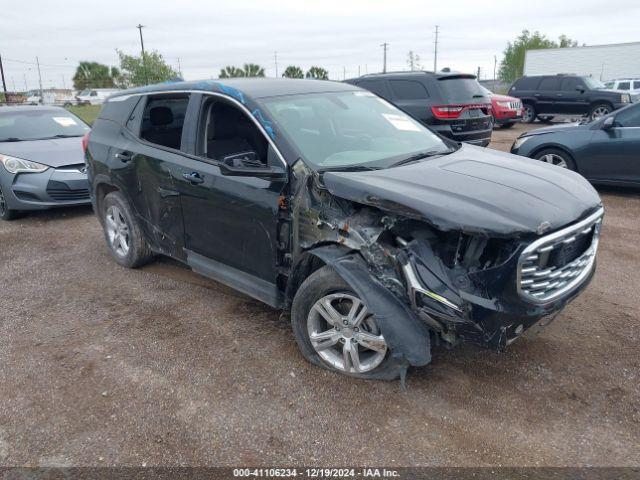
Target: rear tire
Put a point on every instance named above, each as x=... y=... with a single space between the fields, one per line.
x=7 y=213
x=556 y=157
x=123 y=233
x=529 y=113
x=333 y=338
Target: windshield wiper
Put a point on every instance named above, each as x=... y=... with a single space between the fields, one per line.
x=420 y=156
x=66 y=135
x=349 y=168
x=12 y=139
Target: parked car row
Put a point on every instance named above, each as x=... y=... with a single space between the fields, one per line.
x=353 y=205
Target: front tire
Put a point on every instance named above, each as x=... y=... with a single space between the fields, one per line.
x=123 y=234
x=6 y=213
x=334 y=329
x=529 y=113
x=507 y=125
x=554 y=156
x=600 y=110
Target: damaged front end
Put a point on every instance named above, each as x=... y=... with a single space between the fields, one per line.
x=425 y=283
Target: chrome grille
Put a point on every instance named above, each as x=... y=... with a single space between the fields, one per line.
x=514 y=105
x=555 y=264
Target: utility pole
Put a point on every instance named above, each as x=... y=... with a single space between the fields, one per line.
x=275 y=61
x=64 y=85
x=4 y=85
x=495 y=63
x=179 y=68
x=435 y=51
x=478 y=76
x=26 y=89
x=144 y=63
x=384 y=46
x=40 y=81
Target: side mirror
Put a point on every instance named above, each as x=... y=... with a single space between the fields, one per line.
x=608 y=123
x=580 y=88
x=247 y=164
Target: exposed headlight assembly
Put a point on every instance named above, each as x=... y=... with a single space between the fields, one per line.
x=625 y=98
x=18 y=165
x=519 y=141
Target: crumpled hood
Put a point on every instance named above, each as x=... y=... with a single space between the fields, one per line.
x=53 y=153
x=474 y=189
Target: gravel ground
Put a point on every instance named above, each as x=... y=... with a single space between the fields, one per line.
x=105 y=366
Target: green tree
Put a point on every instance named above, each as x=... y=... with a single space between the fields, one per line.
x=137 y=71
x=512 y=64
x=231 y=72
x=253 y=70
x=317 y=73
x=95 y=75
x=293 y=72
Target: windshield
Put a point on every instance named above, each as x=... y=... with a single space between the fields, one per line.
x=32 y=124
x=346 y=129
x=593 y=84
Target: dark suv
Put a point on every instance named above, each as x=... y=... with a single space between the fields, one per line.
x=545 y=96
x=452 y=104
x=379 y=236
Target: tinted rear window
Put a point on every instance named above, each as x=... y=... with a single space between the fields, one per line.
x=462 y=90
x=408 y=90
x=550 y=83
x=375 y=86
x=118 y=111
x=526 y=83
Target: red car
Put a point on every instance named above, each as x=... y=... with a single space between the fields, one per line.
x=506 y=110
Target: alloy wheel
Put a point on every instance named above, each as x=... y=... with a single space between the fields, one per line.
x=554 y=159
x=600 y=111
x=3 y=204
x=345 y=334
x=117 y=231
x=527 y=115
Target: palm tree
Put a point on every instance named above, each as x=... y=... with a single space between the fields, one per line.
x=317 y=73
x=293 y=72
x=231 y=72
x=95 y=75
x=253 y=70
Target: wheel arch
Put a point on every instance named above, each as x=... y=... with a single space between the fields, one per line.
x=102 y=186
x=555 y=146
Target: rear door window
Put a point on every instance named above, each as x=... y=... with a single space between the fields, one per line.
x=462 y=90
x=636 y=85
x=408 y=90
x=526 y=83
x=163 y=120
x=376 y=86
x=550 y=83
x=624 y=86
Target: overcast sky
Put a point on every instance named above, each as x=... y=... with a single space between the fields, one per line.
x=338 y=35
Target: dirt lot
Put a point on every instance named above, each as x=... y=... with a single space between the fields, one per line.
x=100 y=365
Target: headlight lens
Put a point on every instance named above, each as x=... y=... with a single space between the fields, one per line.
x=625 y=98
x=519 y=141
x=504 y=104
x=18 y=165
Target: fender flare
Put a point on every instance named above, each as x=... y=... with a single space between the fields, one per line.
x=406 y=335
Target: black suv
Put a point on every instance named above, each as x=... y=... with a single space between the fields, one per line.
x=545 y=96
x=379 y=236
x=452 y=104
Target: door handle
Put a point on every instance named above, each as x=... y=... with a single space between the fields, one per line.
x=536 y=94
x=124 y=157
x=193 y=177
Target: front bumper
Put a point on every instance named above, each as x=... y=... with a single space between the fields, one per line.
x=55 y=187
x=502 y=118
x=488 y=307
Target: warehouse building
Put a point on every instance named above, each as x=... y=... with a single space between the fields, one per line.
x=603 y=62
